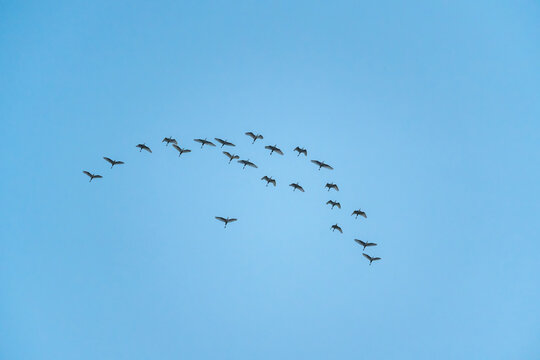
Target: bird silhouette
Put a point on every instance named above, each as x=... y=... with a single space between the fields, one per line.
x=143 y=147
x=254 y=137
x=296 y=186
x=204 y=142
x=336 y=227
x=359 y=212
x=231 y=156
x=113 y=162
x=225 y=220
x=224 y=142
x=371 y=259
x=181 y=150
x=365 y=244
x=322 y=164
x=274 y=149
x=247 y=162
x=331 y=186
x=300 y=151
x=92 y=176
x=169 y=140
x=334 y=203
x=269 y=180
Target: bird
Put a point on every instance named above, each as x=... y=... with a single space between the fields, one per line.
x=143 y=147
x=247 y=162
x=169 y=140
x=322 y=164
x=300 y=151
x=296 y=186
x=334 y=203
x=331 y=186
x=365 y=244
x=204 y=142
x=113 y=162
x=92 y=176
x=269 y=180
x=225 y=220
x=254 y=137
x=274 y=149
x=224 y=142
x=371 y=259
x=359 y=212
x=231 y=156
x=336 y=227
x=180 y=150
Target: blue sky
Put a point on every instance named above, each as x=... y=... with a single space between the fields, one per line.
x=429 y=111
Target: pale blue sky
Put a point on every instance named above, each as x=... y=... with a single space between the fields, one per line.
x=429 y=111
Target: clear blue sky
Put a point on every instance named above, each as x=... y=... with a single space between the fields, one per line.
x=429 y=111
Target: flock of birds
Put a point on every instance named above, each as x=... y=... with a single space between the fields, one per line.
x=267 y=179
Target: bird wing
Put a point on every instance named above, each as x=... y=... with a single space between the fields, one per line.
x=376 y=258
x=327 y=166
x=251 y=164
x=297 y=149
x=367 y=256
x=279 y=151
x=228 y=154
x=220 y=141
x=200 y=141
x=269 y=147
x=147 y=149
x=233 y=220
x=336 y=187
x=265 y=178
x=371 y=244
x=329 y=202
x=301 y=188
x=260 y=136
x=165 y=139
x=242 y=162
x=119 y=162
x=186 y=150
x=338 y=205
x=339 y=229
x=363 y=214
x=317 y=162
x=108 y=160
x=87 y=173
x=221 y=218
x=250 y=134
x=98 y=176
x=173 y=141
x=273 y=181
x=360 y=242
x=210 y=143
x=177 y=147
x=304 y=152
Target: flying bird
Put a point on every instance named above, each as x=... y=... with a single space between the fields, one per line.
x=322 y=164
x=371 y=259
x=334 y=203
x=204 y=142
x=143 y=147
x=180 y=150
x=269 y=180
x=359 y=212
x=113 y=162
x=296 y=186
x=225 y=220
x=92 y=176
x=231 y=156
x=365 y=244
x=169 y=140
x=247 y=162
x=300 y=151
x=331 y=186
x=336 y=227
x=274 y=149
x=254 y=137
x=224 y=142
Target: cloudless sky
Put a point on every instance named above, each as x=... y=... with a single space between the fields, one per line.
x=429 y=112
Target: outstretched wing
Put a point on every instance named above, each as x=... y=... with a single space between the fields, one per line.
x=278 y=151
x=87 y=173
x=210 y=143
x=371 y=244
x=265 y=178
x=221 y=218
x=326 y=166
x=165 y=139
x=177 y=147
x=367 y=256
x=329 y=202
x=316 y=162
x=221 y=141
x=335 y=187
x=251 y=135
x=360 y=242
x=186 y=150
x=376 y=258
x=273 y=181
x=301 y=188
x=200 y=141
x=228 y=154
x=232 y=220
x=304 y=152
x=363 y=214
x=338 y=205
x=147 y=148
x=249 y=163
x=119 y=162
x=339 y=229
x=297 y=149
x=98 y=176
x=269 y=147
x=108 y=160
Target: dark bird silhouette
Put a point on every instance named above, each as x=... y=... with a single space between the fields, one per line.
x=300 y=151
x=169 y=140
x=247 y=162
x=274 y=149
x=269 y=180
x=231 y=156
x=225 y=220
x=254 y=137
x=322 y=164
x=143 y=147
x=336 y=227
x=359 y=212
x=331 y=186
x=204 y=142
x=334 y=203
x=224 y=142
x=371 y=259
x=113 y=162
x=296 y=186
x=92 y=176
x=365 y=244
x=180 y=150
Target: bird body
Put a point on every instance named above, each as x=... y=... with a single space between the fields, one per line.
x=371 y=259
x=254 y=137
x=296 y=186
x=359 y=212
x=143 y=147
x=269 y=180
x=365 y=243
x=300 y=151
x=247 y=163
x=333 y=203
x=322 y=164
x=225 y=220
x=336 y=227
x=169 y=140
x=204 y=142
x=113 y=162
x=181 y=150
x=331 y=186
x=92 y=176
x=274 y=148
x=224 y=142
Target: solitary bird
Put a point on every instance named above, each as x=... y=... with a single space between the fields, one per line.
x=336 y=227
x=254 y=137
x=274 y=149
x=204 y=142
x=92 y=176
x=365 y=244
x=322 y=164
x=371 y=259
x=359 y=212
x=224 y=142
x=334 y=203
x=296 y=186
x=300 y=151
x=143 y=147
x=231 y=156
x=180 y=150
x=247 y=162
x=269 y=180
x=225 y=220
x=331 y=186
x=113 y=162
x=169 y=140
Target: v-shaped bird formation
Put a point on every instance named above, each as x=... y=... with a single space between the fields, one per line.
x=268 y=179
